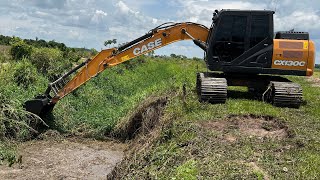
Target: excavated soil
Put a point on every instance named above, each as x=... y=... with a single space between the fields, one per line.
x=64 y=159
x=258 y=126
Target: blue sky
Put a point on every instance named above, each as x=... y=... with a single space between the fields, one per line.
x=88 y=23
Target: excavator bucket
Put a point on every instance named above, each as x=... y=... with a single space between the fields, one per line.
x=40 y=105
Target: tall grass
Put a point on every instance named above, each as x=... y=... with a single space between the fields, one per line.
x=101 y=103
x=96 y=107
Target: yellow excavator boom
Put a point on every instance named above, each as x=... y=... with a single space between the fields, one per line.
x=159 y=37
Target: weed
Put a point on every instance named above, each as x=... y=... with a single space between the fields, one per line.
x=188 y=170
x=7 y=153
x=25 y=74
x=49 y=62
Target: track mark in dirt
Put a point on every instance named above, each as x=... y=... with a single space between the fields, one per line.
x=65 y=159
x=249 y=125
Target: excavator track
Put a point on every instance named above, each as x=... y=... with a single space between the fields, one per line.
x=211 y=89
x=286 y=94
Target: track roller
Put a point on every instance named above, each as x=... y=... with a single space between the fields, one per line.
x=211 y=89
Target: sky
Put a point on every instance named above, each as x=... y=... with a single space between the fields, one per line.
x=88 y=23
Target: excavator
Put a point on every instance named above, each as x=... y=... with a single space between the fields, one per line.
x=240 y=47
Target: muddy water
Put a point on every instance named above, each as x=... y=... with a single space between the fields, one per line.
x=65 y=159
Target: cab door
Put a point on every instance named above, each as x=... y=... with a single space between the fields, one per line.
x=230 y=37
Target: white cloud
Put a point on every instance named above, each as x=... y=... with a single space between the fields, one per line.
x=98 y=17
x=123 y=7
x=90 y=22
x=298 y=20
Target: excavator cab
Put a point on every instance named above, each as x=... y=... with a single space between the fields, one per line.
x=243 y=51
x=240 y=41
x=244 y=42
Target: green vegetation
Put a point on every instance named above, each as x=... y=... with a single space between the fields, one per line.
x=25 y=71
x=187 y=145
x=109 y=42
x=8 y=40
x=98 y=106
x=317 y=73
x=20 y=50
x=218 y=157
x=95 y=108
x=50 y=62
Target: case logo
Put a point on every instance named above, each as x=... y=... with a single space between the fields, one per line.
x=289 y=63
x=147 y=47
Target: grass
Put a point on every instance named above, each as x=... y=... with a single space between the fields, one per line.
x=98 y=106
x=184 y=150
x=317 y=73
x=296 y=157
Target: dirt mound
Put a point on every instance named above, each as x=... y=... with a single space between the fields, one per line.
x=251 y=125
x=66 y=159
x=142 y=120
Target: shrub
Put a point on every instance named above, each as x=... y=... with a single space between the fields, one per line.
x=49 y=62
x=2 y=58
x=16 y=123
x=131 y=64
x=25 y=73
x=20 y=50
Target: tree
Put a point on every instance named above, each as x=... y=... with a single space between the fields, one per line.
x=173 y=56
x=20 y=50
x=109 y=42
x=151 y=53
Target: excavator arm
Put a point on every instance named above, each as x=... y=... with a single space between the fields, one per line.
x=156 y=38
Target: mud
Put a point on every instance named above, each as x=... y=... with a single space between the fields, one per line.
x=251 y=126
x=64 y=159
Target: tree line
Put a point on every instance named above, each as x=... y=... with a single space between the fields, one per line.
x=8 y=40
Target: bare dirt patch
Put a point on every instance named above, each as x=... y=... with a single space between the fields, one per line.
x=314 y=80
x=64 y=159
x=259 y=126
